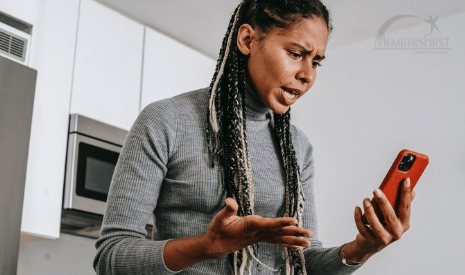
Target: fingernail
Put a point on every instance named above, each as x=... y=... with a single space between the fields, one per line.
x=377 y=193
x=366 y=202
x=407 y=182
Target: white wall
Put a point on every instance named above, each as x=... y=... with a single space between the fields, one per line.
x=366 y=106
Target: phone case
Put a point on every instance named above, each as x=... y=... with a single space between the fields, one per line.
x=392 y=183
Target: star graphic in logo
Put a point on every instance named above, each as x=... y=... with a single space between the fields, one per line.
x=433 y=23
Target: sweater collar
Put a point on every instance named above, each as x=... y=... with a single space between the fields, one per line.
x=255 y=108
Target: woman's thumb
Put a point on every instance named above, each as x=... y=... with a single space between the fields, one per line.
x=230 y=209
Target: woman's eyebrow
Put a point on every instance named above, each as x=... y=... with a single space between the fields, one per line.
x=304 y=50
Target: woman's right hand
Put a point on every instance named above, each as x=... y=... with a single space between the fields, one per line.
x=228 y=233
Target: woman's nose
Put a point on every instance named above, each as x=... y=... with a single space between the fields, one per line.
x=305 y=73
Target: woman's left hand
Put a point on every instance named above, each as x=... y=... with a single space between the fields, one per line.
x=373 y=238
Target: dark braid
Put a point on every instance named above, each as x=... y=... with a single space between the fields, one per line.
x=226 y=130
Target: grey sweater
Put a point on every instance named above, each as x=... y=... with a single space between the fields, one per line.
x=164 y=170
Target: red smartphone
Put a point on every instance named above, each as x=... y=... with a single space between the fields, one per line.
x=408 y=164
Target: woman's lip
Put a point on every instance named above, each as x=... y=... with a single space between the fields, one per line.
x=296 y=91
x=286 y=100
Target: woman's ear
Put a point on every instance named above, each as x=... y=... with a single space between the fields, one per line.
x=245 y=35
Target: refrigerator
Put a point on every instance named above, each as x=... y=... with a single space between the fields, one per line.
x=17 y=87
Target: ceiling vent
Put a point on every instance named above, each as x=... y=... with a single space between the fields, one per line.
x=14 y=42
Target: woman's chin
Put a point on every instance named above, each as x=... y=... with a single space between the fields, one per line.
x=281 y=109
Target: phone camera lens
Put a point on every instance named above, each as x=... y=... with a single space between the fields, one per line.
x=406 y=163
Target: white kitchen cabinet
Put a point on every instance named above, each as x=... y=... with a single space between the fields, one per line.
x=108 y=66
x=24 y=10
x=171 y=68
x=52 y=56
x=91 y=63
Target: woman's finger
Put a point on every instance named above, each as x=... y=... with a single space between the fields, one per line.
x=271 y=224
x=362 y=228
x=229 y=210
x=292 y=246
x=288 y=240
x=405 y=205
x=269 y=227
x=288 y=231
x=393 y=224
x=375 y=225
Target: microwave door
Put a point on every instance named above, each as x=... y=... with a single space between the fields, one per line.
x=90 y=167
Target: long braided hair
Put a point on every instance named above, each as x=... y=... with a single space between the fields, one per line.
x=226 y=130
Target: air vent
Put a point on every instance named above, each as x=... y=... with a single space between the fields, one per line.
x=15 y=36
x=12 y=45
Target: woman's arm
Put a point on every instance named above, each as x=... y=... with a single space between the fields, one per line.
x=122 y=247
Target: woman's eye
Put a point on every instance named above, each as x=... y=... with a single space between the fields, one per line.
x=294 y=54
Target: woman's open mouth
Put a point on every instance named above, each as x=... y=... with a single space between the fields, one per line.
x=289 y=93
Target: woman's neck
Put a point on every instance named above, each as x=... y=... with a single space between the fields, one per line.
x=255 y=108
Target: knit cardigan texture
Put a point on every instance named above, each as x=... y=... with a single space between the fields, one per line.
x=165 y=170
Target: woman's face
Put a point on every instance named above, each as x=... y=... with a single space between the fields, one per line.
x=282 y=66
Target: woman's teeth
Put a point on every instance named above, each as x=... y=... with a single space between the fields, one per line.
x=290 y=95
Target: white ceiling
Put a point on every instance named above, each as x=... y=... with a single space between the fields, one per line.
x=201 y=24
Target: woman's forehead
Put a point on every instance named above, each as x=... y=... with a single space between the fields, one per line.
x=308 y=32
x=315 y=27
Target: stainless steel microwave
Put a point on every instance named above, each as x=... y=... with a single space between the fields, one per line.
x=93 y=151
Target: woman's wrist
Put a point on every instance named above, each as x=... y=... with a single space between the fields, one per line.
x=356 y=252
x=182 y=253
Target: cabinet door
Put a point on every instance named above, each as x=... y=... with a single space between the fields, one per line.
x=24 y=10
x=108 y=66
x=53 y=58
x=171 y=68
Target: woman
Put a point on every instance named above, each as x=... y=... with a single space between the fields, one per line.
x=185 y=155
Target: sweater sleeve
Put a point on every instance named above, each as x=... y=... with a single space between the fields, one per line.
x=318 y=260
x=134 y=190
